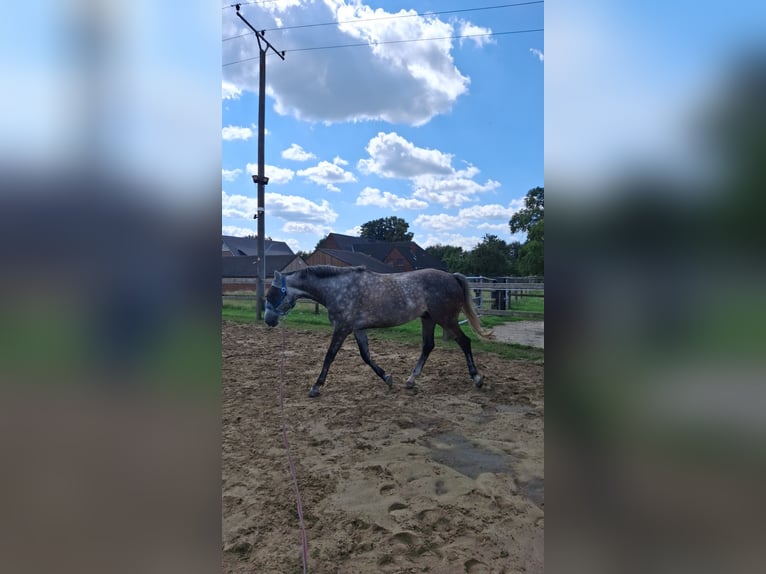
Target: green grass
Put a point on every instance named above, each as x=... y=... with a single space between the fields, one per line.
x=522 y=303
x=304 y=317
x=529 y=304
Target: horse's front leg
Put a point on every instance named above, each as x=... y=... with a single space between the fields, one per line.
x=364 y=351
x=337 y=342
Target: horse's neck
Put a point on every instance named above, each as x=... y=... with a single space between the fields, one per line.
x=313 y=288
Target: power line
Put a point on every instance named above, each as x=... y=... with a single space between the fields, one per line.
x=360 y=44
x=390 y=17
x=248 y=3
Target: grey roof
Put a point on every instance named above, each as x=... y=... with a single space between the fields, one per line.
x=353 y=259
x=348 y=242
x=247 y=266
x=244 y=246
x=416 y=255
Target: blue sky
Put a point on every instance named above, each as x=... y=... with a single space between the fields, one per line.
x=444 y=133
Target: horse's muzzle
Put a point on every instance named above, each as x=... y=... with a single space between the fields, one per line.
x=271 y=318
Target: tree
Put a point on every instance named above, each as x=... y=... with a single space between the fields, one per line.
x=453 y=257
x=531 y=220
x=491 y=258
x=534 y=211
x=532 y=252
x=387 y=229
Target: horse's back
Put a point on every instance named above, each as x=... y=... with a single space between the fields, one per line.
x=439 y=290
x=437 y=279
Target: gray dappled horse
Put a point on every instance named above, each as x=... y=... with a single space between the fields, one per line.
x=357 y=300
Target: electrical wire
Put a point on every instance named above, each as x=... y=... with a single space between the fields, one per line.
x=248 y=3
x=360 y=44
x=389 y=17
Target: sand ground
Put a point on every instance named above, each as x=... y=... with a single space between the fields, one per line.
x=446 y=479
x=531 y=333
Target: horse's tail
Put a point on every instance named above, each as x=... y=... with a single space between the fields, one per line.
x=470 y=309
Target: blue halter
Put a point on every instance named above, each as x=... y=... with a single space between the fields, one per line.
x=283 y=305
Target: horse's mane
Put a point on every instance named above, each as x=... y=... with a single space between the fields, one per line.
x=323 y=271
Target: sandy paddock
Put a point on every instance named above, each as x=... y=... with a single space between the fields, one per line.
x=446 y=479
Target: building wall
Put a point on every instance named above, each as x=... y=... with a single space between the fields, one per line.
x=295 y=265
x=230 y=284
x=319 y=258
x=396 y=260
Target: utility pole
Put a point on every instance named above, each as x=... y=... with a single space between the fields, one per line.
x=260 y=178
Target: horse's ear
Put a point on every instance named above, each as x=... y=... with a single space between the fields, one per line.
x=277 y=277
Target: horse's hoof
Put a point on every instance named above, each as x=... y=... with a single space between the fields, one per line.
x=478 y=381
x=389 y=380
x=313 y=392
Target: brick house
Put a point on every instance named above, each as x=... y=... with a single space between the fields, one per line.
x=397 y=255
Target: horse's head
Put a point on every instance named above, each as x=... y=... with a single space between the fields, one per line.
x=279 y=300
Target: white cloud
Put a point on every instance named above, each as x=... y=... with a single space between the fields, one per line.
x=238 y=205
x=478 y=35
x=304 y=227
x=297 y=153
x=496 y=227
x=230 y=174
x=237 y=231
x=491 y=211
x=492 y=217
x=469 y=172
x=356 y=231
x=292 y=208
x=431 y=172
x=299 y=209
x=467 y=242
x=328 y=174
x=230 y=133
x=229 y=91
x=538 y=53
x=388 y=80
x=440 y=222
x=280 y=6
x=388 y=200
x=451 y=191
x=393 y=156
x=276 y=175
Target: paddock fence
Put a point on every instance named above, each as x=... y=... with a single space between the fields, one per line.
x=509 y=296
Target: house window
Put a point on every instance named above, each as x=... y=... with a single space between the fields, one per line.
x=398 y=263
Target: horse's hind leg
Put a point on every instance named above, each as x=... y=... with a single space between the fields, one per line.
x=364 y=351
x=428 y=346
x=465 y=344
x=337 y=342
